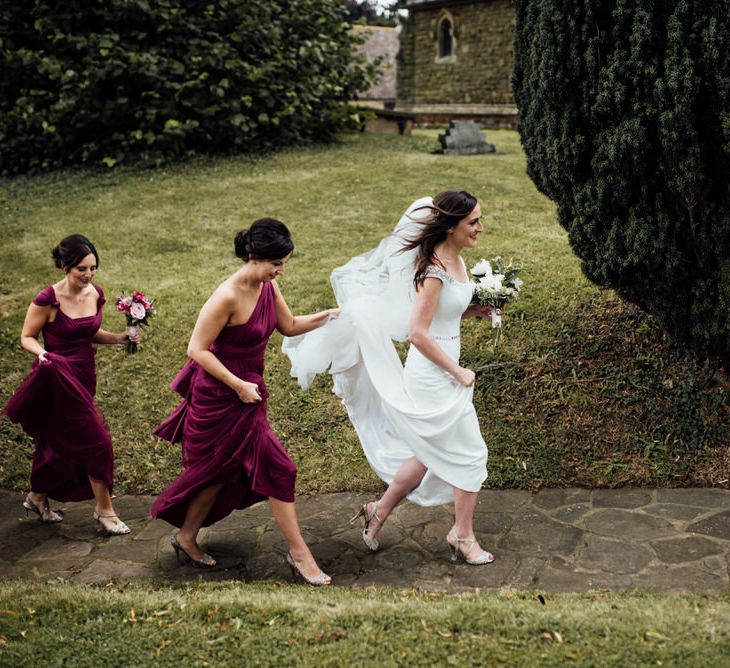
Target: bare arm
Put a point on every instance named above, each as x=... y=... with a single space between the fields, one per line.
x=112 y=338
x=424 y=308
x=477 y=311
x=212 y=319
x=293 y=325
x=102 y=336
x=35 y=318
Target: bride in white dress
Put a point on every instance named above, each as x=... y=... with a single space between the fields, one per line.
x=416 y=423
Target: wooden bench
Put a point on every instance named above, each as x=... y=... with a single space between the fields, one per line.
x=389 y=121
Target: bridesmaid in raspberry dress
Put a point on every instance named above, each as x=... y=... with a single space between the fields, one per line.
x=230 y=455
x=73 y=458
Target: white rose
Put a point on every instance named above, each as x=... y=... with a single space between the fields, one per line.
x=491 y=282
x=482 y=268
x=137 y=311
x=518 y=283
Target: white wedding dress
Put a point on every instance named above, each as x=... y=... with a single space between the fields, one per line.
x=417 y=410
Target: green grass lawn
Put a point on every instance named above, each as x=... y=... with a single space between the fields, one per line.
x=586 y=391
x=283 y=625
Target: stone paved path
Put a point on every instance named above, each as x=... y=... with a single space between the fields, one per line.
x=555 y=540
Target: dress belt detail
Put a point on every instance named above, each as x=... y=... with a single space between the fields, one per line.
x=446 y=338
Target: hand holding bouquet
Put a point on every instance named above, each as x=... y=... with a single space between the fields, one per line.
x=138 y=309
x=495 y=284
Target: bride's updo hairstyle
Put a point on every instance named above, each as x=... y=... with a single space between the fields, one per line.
x=266 y=239
x=448 y=208
x=72 y=250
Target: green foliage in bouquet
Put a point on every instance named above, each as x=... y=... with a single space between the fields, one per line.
x=85 y=81
x=625 y=119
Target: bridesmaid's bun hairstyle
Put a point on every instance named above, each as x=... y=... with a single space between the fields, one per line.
x=72 y=250
x=266 y=239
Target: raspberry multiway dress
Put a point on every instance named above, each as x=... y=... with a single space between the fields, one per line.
x=55 y=405
x=223 y=439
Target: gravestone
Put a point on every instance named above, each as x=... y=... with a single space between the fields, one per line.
x=464 y=138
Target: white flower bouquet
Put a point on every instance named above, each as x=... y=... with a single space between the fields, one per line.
x=496 y=284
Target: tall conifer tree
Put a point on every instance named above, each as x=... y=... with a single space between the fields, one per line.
x=625 y=119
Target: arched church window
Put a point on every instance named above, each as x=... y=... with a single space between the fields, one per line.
x=446 y=37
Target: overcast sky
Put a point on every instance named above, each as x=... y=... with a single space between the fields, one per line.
x=380 y=4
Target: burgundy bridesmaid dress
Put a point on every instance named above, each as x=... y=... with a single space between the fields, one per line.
x=55 y=405
x=223 y=439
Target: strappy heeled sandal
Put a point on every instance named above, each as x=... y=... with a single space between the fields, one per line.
x=45 y=515
x=455 y=544
x=368 y=516
x=118 y=528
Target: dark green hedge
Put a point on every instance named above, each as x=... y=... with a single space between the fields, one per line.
x=88 y=81
x=625 y=118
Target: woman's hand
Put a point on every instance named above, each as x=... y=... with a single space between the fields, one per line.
x=478 y=311
x=131 y=334
x=248 y=393
x=43 y=357
x=465 y=377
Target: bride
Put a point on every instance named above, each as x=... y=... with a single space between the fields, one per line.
x=416 y=423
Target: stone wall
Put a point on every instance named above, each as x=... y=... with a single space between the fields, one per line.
x=480 y=69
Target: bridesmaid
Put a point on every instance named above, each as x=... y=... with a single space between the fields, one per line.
x=73 y=458
x=230 y=455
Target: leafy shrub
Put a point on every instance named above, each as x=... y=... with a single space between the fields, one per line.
x=111 y=80
x=625 y=119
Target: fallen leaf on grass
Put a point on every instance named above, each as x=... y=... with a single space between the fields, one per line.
x=332 y=637
x=162 y=646
x=443 y=634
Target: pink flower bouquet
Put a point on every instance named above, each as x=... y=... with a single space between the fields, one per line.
x=138 y=310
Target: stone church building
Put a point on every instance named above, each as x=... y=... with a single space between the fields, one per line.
x=455 y=61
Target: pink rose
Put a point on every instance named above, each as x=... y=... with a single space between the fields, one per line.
x=137 y=311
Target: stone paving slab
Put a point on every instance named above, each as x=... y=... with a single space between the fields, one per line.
x=555 y=540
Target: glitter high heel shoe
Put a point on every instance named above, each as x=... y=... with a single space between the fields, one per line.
x=45 y=515
x=368 y=516
x=317 y=581
x=206 y=562
x=456 y=552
